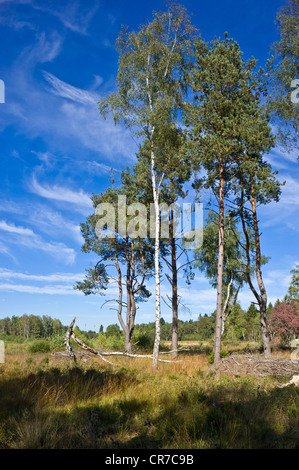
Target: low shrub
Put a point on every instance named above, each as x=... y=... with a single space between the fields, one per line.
x=115 y=343
x=39 y=345
x=143 y=341
x=57 y=343
x=111 y=343
x=223 y=354
x=12 y=338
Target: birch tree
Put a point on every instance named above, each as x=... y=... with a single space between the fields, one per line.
x=150 y=92
x=283 y=99
x=177 y=170
x=123 y=259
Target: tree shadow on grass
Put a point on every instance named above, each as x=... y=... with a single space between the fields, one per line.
x=58 y=387
x=71 y=410
x=230 y=418
x=90 y=409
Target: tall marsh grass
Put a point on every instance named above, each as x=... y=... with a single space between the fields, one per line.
x=45 y=402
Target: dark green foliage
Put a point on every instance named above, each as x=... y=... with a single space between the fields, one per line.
x=31 y=326
x=293 y=291
x=285 y=112
x=95 y=282
x=113 y=330
x=41 y=345
x=143 y=341
x=223 y=354
x=228 y=129
x=206 y=326
x=206 y=257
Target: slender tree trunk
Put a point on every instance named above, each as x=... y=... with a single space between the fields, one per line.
x=128 y=346
x=120 y=300
x=174 y=281
x=263 y=293
x=224 y=316
x=157 y=254
x=157 y=232
x=174 y=343
x=262 y=298
x=131 y=325
x=217 y=338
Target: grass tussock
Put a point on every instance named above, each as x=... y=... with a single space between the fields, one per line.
x=47 y=403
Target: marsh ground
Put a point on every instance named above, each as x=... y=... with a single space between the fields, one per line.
x=48 y=403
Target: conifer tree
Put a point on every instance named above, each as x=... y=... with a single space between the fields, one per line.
x=234 y=273
x=258 y=185
x=224 y=121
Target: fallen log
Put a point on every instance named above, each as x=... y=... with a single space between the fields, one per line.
x=70 y=334
x=293 y=381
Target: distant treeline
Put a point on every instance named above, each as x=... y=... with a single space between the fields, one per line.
x=241 y=325
x=32 y=326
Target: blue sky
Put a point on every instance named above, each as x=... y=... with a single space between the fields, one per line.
x=57 y=60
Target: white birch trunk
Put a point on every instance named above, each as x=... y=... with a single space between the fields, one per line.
x=157 y=273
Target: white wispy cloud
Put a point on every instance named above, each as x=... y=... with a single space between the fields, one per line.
x=52 y=284
x=42 y=105
x=11 y=228
x=65 y=90
x=285 y=213
x=59 y=193
x=12 y=207
x=69 y=278
x=97 y=134
x=290 y=192
x=26 y=237
x=43 y=219
x=74 y=15
x=63 y=110
x=54 y=223
x=45 y=49
x=5 y=251
x=29 y=289
x=80 y=107
x=98 y=168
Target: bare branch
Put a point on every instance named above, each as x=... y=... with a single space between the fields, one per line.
x=67 y=341
x=71 y=334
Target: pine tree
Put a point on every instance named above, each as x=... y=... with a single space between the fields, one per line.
x=205 y=257
x=227 y=127
x=223 y=85
x=258 y=185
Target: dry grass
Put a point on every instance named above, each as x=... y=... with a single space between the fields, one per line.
x=47 y=403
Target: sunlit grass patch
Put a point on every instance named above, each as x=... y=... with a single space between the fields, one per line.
x=49 y=403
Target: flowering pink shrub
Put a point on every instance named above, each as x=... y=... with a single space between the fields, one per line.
x=284 y=321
